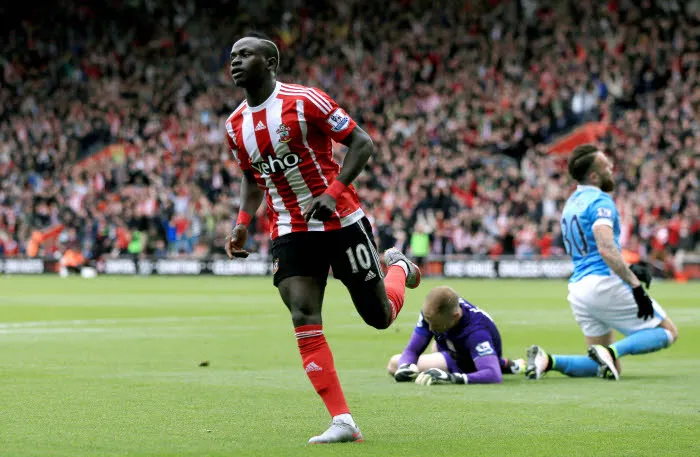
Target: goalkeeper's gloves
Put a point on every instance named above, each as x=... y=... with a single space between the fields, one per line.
x=436 y=376
x=644 y=304
x=642 y=270
x=406 y=372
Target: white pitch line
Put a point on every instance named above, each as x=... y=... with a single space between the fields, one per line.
x=44 y=331
x=82 y=322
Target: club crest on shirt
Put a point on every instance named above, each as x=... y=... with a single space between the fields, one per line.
x=283 y=132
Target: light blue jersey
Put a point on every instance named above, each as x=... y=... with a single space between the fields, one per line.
x=587 y=207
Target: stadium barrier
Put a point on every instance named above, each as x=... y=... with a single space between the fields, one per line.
x=481 y=268
x=22 y=266
x=451 y=267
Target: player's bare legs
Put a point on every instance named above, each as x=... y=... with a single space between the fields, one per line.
x=608 y=355
x=372 y=304
x=432 y=360
x=425 y=362
x=605 y=360
x=671 y=327
x=303 y=296
x=379 y=302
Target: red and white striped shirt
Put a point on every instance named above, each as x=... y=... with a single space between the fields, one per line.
x=286 y=144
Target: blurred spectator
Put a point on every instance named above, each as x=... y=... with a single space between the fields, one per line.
x=459 y=97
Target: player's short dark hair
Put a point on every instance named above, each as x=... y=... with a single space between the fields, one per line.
x=271 y=49
x=581 y=160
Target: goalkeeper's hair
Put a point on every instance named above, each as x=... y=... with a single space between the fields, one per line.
x=445 y=300
x=581 y=160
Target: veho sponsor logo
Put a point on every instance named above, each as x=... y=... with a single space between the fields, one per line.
x=270 y=164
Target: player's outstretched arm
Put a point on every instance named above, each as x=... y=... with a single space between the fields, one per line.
x=488 y=370
x=408 y=368
x=251 y=195
x=605 y=241
x=251 y=198
x=360 y=148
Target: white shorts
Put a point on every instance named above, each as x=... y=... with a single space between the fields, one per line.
x=603 y=303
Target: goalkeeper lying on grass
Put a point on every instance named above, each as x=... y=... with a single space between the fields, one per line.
x=468 y=345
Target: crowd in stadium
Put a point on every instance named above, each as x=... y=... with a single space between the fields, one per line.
x=461 y=99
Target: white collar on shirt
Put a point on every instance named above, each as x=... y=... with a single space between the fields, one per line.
x=587 y=186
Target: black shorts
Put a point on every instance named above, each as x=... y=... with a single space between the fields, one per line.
x=349 y=251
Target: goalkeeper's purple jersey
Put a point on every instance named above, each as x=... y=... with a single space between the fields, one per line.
x=474 y=336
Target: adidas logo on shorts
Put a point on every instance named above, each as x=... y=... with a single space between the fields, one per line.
x=370 y=275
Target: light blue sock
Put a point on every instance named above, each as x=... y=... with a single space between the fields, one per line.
x=575 y=365
x=641 y=342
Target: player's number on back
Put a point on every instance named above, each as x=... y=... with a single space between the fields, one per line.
x=481 y=311
x=570 y=230
x=359 y=256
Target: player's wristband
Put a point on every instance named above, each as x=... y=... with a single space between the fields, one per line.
x=336 y=188
x=243 y=218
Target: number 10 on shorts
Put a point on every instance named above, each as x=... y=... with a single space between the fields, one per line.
x=360 y=255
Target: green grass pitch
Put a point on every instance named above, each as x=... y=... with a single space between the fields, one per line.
x=109 y=367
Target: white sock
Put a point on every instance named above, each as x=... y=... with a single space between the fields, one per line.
x=669 y=335
x=402 y=264
x=345 y=418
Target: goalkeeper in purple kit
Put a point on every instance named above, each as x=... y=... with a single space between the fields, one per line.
x=468 y=345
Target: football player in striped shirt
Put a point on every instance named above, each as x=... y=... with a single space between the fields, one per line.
x=281 y=136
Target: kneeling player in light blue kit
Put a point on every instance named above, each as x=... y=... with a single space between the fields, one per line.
x=604 y=293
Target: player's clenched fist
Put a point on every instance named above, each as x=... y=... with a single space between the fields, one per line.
x=406 y=372
x=235 y=242
x=436 y=376
x=321 y=208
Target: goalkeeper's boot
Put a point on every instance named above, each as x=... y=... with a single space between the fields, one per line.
x=604 y=358
x=338 y=432
x=393 y=255
x=537 y=362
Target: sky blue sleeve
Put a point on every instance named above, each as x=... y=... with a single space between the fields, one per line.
x=602 y=211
